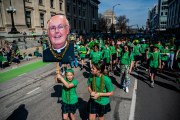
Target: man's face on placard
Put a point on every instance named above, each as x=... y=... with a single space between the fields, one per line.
x=58 y=29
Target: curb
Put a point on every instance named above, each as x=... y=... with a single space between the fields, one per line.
x=133 y=103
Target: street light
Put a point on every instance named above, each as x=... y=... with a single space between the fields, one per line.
x=112 y=17
x=12 y=10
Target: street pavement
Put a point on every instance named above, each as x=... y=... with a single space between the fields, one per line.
x=161 y=102
x=36 y=96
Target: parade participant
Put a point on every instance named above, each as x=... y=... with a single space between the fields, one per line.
x=69 y=94
x=118 y=54
x=96 y=55
x=113 y=55
x=154 y=63
x=106 y=56
x=164 y=56
x=177 y=58
x=172 y=48
x=136 y=53
x=143 y=48
x=126 y=61
x=82 y=52
x=61 y=48
x=100 y=88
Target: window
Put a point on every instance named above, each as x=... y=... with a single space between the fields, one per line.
x=74 y=1
x=74 y=9
x=74 y=23
x=79 y=24
x=166 y=13
x=60 y=6
x=52 y=3
x=68 y=9
x=40 y=2
x=83 y=12
x=79 y=12
x=84 y=24
x=42 y=20
x=28 y=19
x=161 y=13
x=93 y=12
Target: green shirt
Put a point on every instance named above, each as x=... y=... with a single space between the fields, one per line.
x=136 y=49
x=172 y=48
x=143 y=47
x=113 y=49
x=106 y=53
x=154 y=59
x=69 y=96
x=119 y=52
x=96 y=57
x=108 y=87
x=165 y=54
x=125 y=59
x=82 y=51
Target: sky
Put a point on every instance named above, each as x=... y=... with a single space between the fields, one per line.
x=135 y=10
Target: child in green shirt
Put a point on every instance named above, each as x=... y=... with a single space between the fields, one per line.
x=126 y=61
x=69 y=95
x=100 y=88
x=82 y=52
x=154 y=63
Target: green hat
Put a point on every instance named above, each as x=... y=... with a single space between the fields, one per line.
x=70 y=70
x=156 y=46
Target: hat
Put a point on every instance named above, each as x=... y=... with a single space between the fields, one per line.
x=70 y=70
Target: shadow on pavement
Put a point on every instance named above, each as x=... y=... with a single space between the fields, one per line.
x=82 y=109
x=138 y=77
x=19 y=114
x=166 y=78
x=168 y=86
x=113 y=79
x=57 y=92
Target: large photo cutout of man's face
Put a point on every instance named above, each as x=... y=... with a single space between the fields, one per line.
x=60 y=49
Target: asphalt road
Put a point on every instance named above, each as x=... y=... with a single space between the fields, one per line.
x=161 y=102
x=35 y=96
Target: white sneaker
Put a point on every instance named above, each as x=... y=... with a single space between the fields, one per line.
x=126 y=89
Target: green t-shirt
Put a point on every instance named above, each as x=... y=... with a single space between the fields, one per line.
x=96 y=57
x=119 y=52
x=125 y=59
x=106 y=52
x=143 y=47
x=165 y=54
x=113 y=49
x=172 y=48
x=154 y=59
x=108 y=87
x=82 y=51
x=136 y=49
x=69 y=96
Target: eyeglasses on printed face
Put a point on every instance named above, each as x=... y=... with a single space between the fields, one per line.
x=59 y=27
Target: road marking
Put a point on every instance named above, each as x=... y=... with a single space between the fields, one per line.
x=33 y=90
x=22 y=74
x=133 y=103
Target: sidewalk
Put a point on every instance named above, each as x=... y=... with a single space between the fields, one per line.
x=23 y=62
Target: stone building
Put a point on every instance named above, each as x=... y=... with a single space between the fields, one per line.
x=32 y=15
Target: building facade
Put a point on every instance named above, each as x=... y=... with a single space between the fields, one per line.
x=82 y=15
x=153 y=18
x=32 y=15
x=173 y=21
x=110 y=18
x=162 y=12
